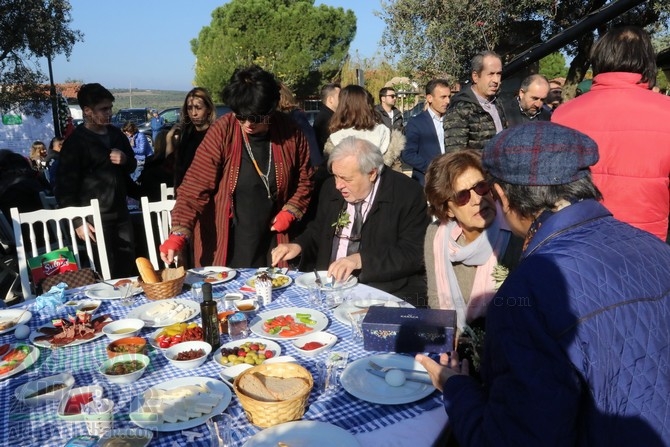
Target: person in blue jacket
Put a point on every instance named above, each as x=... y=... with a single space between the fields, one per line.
x=156 y=123
x=577 y=345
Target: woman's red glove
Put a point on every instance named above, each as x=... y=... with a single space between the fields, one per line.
x=173 y=242
x=282 y=221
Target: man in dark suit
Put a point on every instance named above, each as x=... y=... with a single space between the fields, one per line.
x=425 y=132
x=370 y=222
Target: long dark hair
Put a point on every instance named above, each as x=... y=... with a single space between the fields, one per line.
x=354 y=110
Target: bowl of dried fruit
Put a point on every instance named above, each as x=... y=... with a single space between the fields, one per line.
x=188 y=354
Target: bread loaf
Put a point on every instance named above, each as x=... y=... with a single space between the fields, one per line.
x=147 y=271
x=271 y=389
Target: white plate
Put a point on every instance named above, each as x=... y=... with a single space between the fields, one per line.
x=250 y=281
x=10 y=314
x=303 y=434
x=191 y=278
x=31 y=358
x=365 y=386
x=216 y=385
x=152 y=316
x=307 y=280
x=40 y=384
x=257 y=323
x=341 y=312
x=45 y=344
x=269 y=344
x=108 y=292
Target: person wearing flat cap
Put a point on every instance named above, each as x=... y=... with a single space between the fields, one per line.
x=577 y=348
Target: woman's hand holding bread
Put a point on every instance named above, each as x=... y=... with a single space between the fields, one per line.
x=172 y=245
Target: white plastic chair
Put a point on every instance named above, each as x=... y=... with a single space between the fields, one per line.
x=167 y=192
x=65 y=216
x=158 y=212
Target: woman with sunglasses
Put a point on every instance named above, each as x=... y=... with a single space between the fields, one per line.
x=249 y=181
x=468 y=239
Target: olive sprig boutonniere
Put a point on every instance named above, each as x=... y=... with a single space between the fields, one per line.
x=343 y=220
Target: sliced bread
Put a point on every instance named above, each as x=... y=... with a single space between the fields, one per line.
x=253 y=387
x=283 y=388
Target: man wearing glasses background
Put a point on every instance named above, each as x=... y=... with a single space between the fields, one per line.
x=386 y=110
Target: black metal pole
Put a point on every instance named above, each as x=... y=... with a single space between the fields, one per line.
x=54 y=101
x=588 y=23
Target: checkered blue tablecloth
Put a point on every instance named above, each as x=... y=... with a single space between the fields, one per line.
x=40 y=426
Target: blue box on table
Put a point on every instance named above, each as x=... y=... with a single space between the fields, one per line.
x=401 y=329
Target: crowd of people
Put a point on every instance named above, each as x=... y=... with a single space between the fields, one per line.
x=565 y=204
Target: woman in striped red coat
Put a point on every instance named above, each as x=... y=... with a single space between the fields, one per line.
x=249 y=181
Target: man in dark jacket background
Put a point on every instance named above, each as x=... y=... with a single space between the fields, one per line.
x=475 y=115
x=330 y=94
x=95 y=163
x=386 y=110
x=528 y=105
x=577 y=345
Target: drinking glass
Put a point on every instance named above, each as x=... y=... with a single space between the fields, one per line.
x=238 y=328
x=315 y=296
x=220 y=430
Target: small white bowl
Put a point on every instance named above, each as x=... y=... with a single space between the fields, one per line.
x=171 y=353
x=124 y=378
x=29 y=388
x=89 y=306
x=246 y=306
x=325 y=338
x=127 y=327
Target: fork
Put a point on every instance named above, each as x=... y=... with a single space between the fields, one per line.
x=384 y=369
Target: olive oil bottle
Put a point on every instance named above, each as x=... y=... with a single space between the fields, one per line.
x=210 y=318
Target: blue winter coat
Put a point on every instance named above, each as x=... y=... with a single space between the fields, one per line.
x=577 y=343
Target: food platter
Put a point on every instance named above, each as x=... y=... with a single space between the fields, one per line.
x=31 y=358
x=166 y=312
x=11 y=314
x=303 y=434
x=22 y=392
x=46 y=344
x=307 y=280
x=358 y=382
x=152 y=422
x=213 y=274
x=269 y=344
x=107 y=291
x=286 y=281
x=257 y=323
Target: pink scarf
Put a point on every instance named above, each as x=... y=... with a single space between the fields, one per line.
x=483 y=252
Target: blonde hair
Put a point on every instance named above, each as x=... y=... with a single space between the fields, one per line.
x=36 y=150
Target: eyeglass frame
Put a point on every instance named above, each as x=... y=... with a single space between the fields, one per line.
x=391 y=96
x=462 y=197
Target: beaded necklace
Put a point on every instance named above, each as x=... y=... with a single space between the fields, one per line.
x=265 y=178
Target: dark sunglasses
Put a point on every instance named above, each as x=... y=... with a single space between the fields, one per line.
x=463 y=197
x=253 y=119
x=390 y=96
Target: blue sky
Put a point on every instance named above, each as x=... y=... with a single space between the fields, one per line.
x=145 y=44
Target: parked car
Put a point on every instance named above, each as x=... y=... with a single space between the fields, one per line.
x=139 y=116
x=172 y=115
x=414 y=111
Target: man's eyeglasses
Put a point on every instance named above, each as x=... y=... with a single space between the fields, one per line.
x=463 y=197
x=253 y=119
x=390 y=96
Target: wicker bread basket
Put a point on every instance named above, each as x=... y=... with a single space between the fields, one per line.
x=164 y=289
x=267 y=414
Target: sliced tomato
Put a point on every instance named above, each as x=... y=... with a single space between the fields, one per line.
x=6 y=367
x=19 y=354
x=3 y=349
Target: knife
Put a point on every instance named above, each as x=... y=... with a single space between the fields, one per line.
x=318 y=278
x=425 y=381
